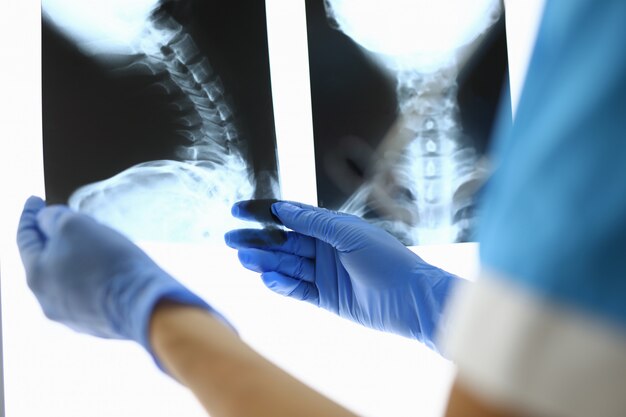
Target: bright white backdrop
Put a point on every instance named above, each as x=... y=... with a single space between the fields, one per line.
x=52 y=371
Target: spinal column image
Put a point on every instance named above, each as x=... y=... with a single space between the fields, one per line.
x=157 y=115
x=404 y=97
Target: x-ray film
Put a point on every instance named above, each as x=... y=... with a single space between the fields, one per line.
x=157 y=115
x=404 y=96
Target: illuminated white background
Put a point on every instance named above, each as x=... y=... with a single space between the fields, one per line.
x=52 y=371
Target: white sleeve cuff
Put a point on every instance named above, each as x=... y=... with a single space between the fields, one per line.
x=516 y=350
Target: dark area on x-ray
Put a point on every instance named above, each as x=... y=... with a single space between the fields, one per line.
x=355 y=105
x=353 y=100
x=98 y=120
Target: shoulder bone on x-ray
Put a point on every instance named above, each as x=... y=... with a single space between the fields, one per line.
x=187 y=200
x=422 y=186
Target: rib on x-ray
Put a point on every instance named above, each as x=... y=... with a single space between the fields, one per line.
x=189 y=198
x=423 y=183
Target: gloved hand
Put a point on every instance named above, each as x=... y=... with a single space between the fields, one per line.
x=91 y=278
x=345 y=265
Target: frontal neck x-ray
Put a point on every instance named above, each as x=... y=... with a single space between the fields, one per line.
x=209 y=164
x=422 y=182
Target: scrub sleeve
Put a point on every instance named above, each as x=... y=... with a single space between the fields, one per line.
x=544 y=329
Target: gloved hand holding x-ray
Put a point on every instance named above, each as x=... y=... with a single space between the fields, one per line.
x=345 y=265
x=91 y=278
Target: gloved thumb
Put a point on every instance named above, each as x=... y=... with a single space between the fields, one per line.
x=52 y=218
x=312 y=221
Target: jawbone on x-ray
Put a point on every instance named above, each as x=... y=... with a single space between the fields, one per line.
x=196 y=78
x=422 y=178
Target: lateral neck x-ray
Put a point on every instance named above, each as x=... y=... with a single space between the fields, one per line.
x=186 y=197
x=422 y=183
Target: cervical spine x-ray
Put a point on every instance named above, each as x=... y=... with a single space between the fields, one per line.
x=417 y=171
x=196 y=74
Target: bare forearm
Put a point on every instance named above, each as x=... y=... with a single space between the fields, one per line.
x=226 y=375
x=464 y=403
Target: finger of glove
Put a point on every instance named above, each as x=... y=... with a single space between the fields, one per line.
x=290 y=287
x=255 y=210
x=30 y=239
x=53 y=218
x=258 y=260
x=272 y=239
x=311 y=221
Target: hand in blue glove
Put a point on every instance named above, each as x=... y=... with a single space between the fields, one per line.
x=345 y=265
x=91 y=278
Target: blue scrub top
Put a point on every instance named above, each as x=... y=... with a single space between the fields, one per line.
x=554 y=212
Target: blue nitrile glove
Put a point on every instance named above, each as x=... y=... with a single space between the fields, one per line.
x=345 y=265
x=91 y=278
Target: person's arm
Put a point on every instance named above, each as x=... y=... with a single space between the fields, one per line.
x=543 y=331
x=226 y=375
x=94 y=280
x=464 y=403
